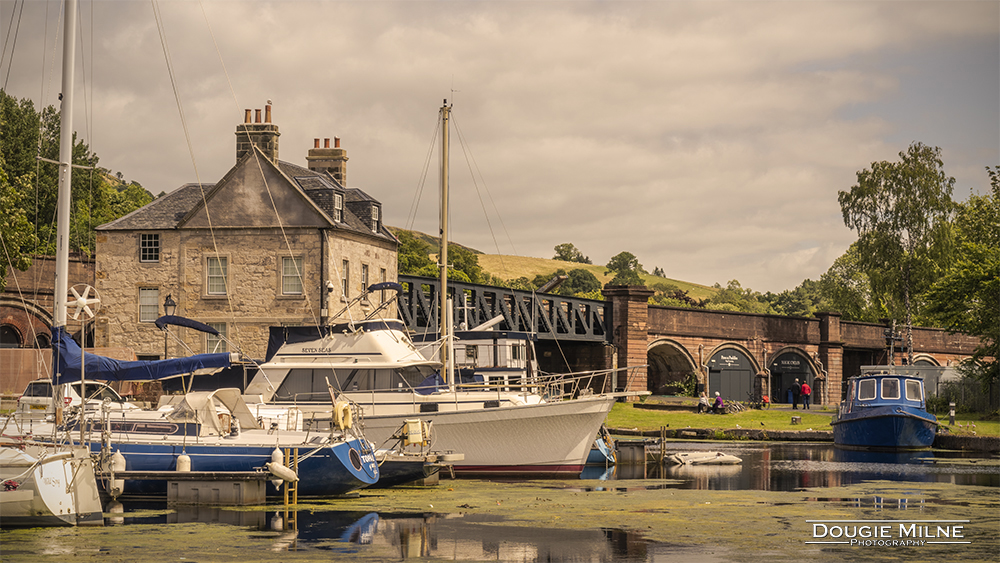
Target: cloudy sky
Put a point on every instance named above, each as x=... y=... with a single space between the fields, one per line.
x=707 y=138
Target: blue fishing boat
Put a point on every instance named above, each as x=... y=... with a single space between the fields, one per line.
x=884 y=411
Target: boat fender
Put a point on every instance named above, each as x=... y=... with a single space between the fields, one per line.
x=426 y=428
x=342 y=415
x=117 y=464
x=276 y=457
x=414 y=432
x=279 y=470
x=183 y=462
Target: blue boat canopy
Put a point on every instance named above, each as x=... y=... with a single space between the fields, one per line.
x=66 y=364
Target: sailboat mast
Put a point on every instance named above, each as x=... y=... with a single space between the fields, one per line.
x=65 y=167
x=443 y=254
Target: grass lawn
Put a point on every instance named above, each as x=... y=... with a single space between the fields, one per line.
x=623 y=415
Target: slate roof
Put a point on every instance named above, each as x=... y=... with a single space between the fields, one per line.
x=168 y=211
x=163 y=213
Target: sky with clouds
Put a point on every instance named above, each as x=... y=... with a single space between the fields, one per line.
x=709 y=139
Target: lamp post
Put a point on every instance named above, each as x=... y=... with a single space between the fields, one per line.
x=169 y=308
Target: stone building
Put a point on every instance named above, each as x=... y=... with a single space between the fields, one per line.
x=270 y=243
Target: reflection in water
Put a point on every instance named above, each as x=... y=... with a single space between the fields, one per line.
x=459 y=536
x=478 y=537
x=790 y=466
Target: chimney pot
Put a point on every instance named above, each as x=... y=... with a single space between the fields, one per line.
x=315 y=143
x=336 y=142
x=256 y=115
x=267 y=113
x=246 y=118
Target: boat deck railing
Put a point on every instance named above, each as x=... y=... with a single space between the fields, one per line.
x=550 y=387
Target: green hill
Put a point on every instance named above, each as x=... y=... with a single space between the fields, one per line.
x=513 y=267
x=509 y=267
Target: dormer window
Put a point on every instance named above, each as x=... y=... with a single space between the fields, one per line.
x=338 y=208
x=375 y=219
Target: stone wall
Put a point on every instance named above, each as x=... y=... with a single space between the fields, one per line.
x=254 y=300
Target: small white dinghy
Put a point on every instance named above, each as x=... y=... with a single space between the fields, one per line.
x=703 y=458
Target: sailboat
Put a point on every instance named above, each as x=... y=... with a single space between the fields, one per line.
x=53 y=483
x=207 y=432
x=534 y=426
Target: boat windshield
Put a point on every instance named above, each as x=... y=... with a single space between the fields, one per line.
x=913 y=390
x=311 y=384
x=890 y=388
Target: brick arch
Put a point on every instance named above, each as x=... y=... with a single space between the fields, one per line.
x=26 y=319
x=735 y=346
x=737 y=381
x=669 y=364
x=816 y=378
x=926 y=358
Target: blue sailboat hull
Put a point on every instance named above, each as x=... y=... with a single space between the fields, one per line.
x=889 y=427
x=333 y=470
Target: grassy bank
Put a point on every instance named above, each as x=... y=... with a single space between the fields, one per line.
x=624 y=415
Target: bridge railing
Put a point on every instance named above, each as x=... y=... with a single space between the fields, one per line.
x=550 y=317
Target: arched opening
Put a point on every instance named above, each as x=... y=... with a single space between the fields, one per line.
x=9 y=337
x=670 y=366
x=786 y=368
x=731 y=373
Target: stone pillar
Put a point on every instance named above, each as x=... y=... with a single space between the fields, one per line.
x=831 y=353
x=629 y=314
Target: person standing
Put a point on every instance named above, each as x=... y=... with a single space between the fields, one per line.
x=806 y=394
x=796 y=391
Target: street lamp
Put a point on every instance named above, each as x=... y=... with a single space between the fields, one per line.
x=169 y=308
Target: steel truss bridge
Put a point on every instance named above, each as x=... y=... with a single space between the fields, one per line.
x=550 y=317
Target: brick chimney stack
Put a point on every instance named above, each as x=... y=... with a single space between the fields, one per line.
x=263 y=135
x=326 y=159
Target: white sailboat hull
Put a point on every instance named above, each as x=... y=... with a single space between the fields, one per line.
x=544 y=438
x=48 y=488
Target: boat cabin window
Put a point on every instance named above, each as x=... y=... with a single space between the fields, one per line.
x=913 y=390
x=890 y=388
x=866 y=390
x=310 y=384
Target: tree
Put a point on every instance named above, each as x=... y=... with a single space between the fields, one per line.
x=465 y=261
x=626 y=268
x=580 y=281
x=413 y=255
x=802 y=301
x=17 y=236
x=902 y=212
x=95 y=199
x=567 y=252
x=658 y=271
x=734 y=297
x=845 y=288
x=967 y=297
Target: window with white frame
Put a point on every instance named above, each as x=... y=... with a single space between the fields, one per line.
x=149 y=248
x=364 y=277
x=375 y=218
x=149 y=304
x=345 y=273
x=215 y=280
x=381 y=279
x=291 y=275
x=338 y=207
x=216 y=343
